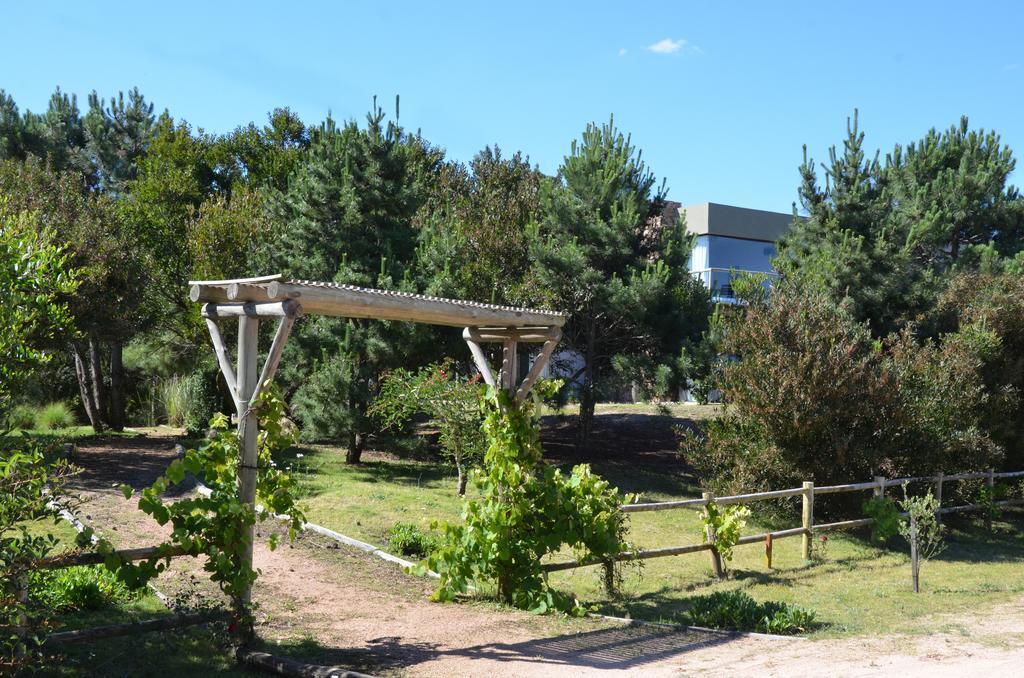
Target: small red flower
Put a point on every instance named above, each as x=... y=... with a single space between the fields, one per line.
x=824 y=538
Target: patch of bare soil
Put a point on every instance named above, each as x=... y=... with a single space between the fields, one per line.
x=647 y=439
x=334 y=605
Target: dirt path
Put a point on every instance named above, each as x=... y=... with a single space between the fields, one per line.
x=344 y=607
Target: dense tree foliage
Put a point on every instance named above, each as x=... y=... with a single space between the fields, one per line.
x=811 y=395
x=34 y=276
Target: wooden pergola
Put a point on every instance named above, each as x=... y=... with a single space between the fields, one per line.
x=252 y=300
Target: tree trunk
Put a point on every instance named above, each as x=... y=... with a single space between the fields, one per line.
x=588 y=395
x=116 y=386
x=462 y=481
x=85 y=387
x=96 y=374
x=356 y=441
x=915 y=562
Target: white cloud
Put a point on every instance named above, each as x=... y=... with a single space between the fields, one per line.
x=667 y=46
x=622 y=51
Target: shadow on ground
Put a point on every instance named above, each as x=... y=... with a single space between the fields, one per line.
x=621 y=648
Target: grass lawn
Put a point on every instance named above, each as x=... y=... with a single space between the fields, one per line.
x=855 y=588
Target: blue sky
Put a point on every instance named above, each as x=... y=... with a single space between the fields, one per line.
x=721 y=96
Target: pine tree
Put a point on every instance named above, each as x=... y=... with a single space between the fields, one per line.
x=347 y=217
x=603 y=254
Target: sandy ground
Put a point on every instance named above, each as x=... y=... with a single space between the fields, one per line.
x=357 y=611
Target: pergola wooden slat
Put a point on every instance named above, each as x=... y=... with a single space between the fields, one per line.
x=251 y=300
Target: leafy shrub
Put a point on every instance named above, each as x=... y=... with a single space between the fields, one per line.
x=812 y=396
x=218 y=525
x=27 y=482
x=996 y=303
x=737 y=611
x=886 y=516
x=204 y=399
x=54 y=416
x=21 y=417
x=526 y=511
x=77 y=588
x=989 y=498
x=922 y=530
x=409 y=540
x=452 y=402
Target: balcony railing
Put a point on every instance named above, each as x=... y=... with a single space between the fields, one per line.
x=723 y=291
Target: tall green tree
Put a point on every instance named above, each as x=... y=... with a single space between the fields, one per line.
x=118 y=135
x=347 y=217
x=884 y=237
x=603 y=254
x=111 y=268
x=34 y=277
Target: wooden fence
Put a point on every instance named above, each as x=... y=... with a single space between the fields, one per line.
x=75 y=559
x=807 y=492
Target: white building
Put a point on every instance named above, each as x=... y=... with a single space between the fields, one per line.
x=731 y=240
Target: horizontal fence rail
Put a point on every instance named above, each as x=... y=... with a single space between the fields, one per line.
x=76 y=559
x=807 y=493
x=96 y=558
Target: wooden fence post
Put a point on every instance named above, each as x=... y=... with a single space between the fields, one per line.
x=915 y=563
x=716 y=559
x=880 y=490
x=938 y=496
x=609 y=578
x=808 y=518
x=991 y=482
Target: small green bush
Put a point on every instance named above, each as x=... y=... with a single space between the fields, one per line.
x=77 y=588
x=204 y=399
x=21 y=417
x=54 y=416
x=886 y=516
x=737 y=611
x=409 y=540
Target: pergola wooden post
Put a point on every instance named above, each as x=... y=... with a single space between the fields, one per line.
x=252 y=300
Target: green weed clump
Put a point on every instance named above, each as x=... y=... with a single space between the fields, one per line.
x=74 y=589
x=54 y=416
x=410 y=541
x=737 y=611
x=176 y=398
x=21 y=417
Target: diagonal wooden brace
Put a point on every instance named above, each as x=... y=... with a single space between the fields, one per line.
x=554 y=336
x=284 y=328
x=471 y=337
x=510 y=339
x=288 y=311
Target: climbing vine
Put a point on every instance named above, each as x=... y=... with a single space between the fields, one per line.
x=219 y=525
x=726 y=523
x=527 y=510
